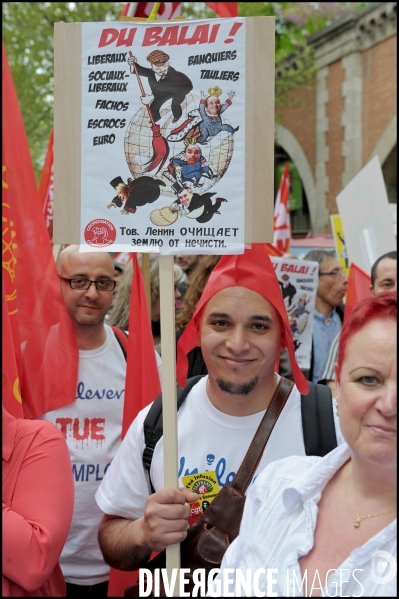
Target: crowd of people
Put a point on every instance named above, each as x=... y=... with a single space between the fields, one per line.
x=78 y=500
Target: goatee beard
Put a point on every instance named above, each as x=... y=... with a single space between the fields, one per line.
x=237 y=389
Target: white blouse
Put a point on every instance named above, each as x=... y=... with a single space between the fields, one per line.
x=278 y=528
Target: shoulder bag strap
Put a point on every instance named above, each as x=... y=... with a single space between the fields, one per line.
x=318 y=425
x=153 y=423
x=262 y=435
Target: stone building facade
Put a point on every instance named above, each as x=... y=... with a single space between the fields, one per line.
x=347 y=115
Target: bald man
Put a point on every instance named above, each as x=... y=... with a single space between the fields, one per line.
x=92 y=425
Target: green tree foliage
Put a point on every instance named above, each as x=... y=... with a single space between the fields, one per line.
x=295 y=21
x=28 y=32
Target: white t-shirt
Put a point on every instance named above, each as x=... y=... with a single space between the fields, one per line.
x=92 y=428
x=278 y=528
x=207 y=440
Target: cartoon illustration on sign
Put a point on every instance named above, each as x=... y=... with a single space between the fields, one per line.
x=207 y=117
x=188 y=169
x=344 y=253
x=190 y=204
x=288 y=290
x=298 y=318
x=339 y=242
x=298 y=283
x=189 y=165
x=175 y=136
x=196 y=206
x=165 y=82
x=148 y=146
x=138 y=192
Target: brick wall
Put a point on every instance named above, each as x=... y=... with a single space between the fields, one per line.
x=299 y=117
x=379 y=92
x=339 y=122
x=335 y=135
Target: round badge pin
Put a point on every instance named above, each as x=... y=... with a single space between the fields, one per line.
x=100 y=233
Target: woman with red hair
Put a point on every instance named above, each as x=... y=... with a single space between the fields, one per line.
x=328 y=524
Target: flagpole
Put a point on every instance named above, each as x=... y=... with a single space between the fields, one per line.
x=131 y=11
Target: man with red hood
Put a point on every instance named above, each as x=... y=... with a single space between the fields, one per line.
x=241 y=325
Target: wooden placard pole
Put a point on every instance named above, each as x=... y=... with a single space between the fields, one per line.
x=169 y=410
x=169 y=399
x=56 y=251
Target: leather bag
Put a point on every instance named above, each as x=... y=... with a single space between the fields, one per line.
x=209 y=537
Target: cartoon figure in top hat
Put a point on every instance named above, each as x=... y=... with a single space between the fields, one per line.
x=137 y=192
x=165 y=82
x=196 y=206
x=189 y=204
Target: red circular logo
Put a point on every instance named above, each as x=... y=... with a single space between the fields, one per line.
x=100 y=233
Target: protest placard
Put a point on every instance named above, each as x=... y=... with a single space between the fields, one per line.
x=165 y=136
x=339 y=242
x=164 y=142
x=298 y=280
x=366 y=218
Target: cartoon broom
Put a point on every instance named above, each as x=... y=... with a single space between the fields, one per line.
x=159 y=144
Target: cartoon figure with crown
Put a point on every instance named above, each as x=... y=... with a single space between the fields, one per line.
x=188 y=166
x=205 y=122
x=298 y=315
x=210 y=110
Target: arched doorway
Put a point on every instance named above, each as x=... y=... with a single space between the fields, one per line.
x=315 y=200
x=299 y=208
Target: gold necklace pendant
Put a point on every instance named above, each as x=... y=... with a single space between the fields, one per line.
x=358 y=520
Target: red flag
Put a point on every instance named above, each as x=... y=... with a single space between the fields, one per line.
x=272 y=251
x=358 y=288
x=167 y=10
x=8 y=277
x=46 y=186
x=31 y=284
x=122 y=257
x=142 y=386
x=282 y=228
x=224 y=9
x=11 y=393
x=142 y=379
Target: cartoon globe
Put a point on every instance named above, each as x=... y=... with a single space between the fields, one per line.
x=218 y=150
